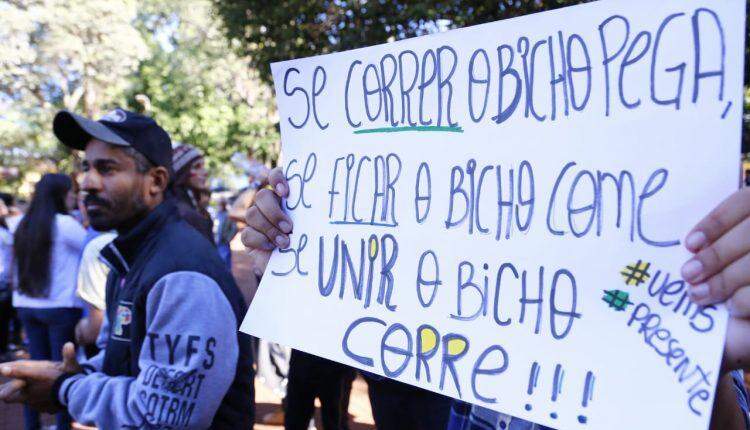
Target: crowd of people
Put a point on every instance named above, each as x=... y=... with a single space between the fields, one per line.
x=118 y=284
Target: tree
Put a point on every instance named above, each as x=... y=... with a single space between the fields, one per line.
x=60 y=54
x=198 y=89
x=73 y=54
x=301 y=28
x=165 y=57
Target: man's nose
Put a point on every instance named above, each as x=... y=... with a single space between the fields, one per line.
x=91 y=181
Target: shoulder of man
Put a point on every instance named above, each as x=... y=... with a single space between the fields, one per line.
x=180 y=248
x=195 y=219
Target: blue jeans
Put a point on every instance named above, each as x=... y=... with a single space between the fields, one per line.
x=47 y=330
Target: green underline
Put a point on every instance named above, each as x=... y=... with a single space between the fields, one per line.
x=455 y=129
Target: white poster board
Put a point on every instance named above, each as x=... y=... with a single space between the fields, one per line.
x=496 y=213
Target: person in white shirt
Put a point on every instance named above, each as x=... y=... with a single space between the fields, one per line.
x=92 y=286
x=47 y=247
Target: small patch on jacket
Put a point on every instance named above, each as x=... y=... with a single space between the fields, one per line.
x=123 y=318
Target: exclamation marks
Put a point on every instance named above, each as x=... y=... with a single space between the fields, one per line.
x=533 y=378
x=558 y=378
x=588 y=394
x=557 y=386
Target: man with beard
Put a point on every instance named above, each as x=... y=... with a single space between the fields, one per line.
x=173 y=354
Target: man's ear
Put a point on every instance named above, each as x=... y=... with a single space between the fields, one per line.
x=159 y=180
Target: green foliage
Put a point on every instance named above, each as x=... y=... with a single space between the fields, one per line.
x=48 y=62
x=290 y=29
x=299 y=28
x=196 y=87
x=165 y=57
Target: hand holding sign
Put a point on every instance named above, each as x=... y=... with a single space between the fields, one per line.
x=267 y=225
x=494 y=213
x=720 y=270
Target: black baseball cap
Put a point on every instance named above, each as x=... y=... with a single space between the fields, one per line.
x=118 y=127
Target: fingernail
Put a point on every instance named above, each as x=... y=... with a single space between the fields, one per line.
x=692 y=269
x=280 y=189
x=5 y=370
x=282 y=241
x=695 y=240
x=698 y=292
x=285 y=226
x=258 y=273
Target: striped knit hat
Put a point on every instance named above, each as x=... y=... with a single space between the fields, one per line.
x=183 y=155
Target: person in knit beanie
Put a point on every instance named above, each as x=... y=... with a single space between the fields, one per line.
x=190 y=181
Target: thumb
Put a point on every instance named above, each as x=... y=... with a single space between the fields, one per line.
x=259 y=261
x=70 y=362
